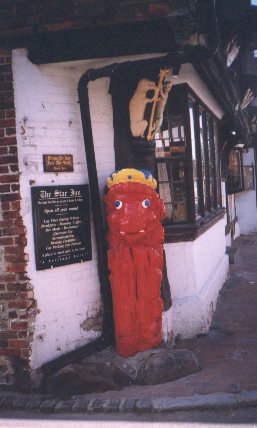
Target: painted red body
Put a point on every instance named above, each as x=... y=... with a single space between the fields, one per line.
x=135 y=261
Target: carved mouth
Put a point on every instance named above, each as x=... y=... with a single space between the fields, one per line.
x=132 y=233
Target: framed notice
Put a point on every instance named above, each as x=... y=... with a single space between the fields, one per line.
x=61 y=224
x=58 y=163
x=248 y=177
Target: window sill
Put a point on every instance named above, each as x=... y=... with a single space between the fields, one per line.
x=191 y=231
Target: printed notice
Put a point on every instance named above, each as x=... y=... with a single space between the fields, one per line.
x=61 y=223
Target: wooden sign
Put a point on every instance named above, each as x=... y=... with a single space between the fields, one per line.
x=58 y=163
x=61 y=225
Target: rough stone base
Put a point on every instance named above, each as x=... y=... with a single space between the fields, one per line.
x=106 y=370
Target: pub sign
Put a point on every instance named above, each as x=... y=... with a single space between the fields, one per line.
x=61 y=222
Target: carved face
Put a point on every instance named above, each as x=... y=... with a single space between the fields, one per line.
x=134 y=213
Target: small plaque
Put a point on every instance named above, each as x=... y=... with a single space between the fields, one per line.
x=58 y=163
x=61 y=223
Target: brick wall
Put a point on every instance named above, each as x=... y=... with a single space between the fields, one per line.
x=16 y=296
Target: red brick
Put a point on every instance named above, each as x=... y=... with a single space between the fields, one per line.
x=10 y=215
x=6 y=241
x=5 y=188
x=6 y=223
x=14 y=168
x=6 y=86
x=25 y=353
x=10 y=249
x=11 y=258
x=7 y=296
x=3 y=343
x=5 y=52
x=10 y=178
x=4 y=169
x=18 y=304
x=3 y=150
x=18 y=325
x=14 y=352
x=15 y=187
x=11 y=231
x=8 y=334
x=7 y=141
x=16 y=286
x=12 y=150
x=8 y=159
x=10 y=131
x=7 y=123
x=21 y=240
x=5 y=68
x=10 y=113
x=16 y=267
x=22 y=334
x=18 y=343
x=8 y=277
x=16 y=206
x=12 y=315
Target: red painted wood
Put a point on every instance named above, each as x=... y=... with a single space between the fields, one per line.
x=135 y=261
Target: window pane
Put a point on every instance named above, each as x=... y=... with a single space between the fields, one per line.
x=211 y=157
x=179 y=192
x=203 y=158
x=172 y=190
x=235 y=176
x=217 y=183
x=177 y=132
x=194 y=160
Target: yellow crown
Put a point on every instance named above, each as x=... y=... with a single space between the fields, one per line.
x=131 y=175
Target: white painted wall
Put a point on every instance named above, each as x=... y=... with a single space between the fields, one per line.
x=246 y=202
x=196 y=270
x=48 y=122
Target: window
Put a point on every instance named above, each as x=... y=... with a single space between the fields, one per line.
x=187 y=164
x=235 y=171
x=253 y=2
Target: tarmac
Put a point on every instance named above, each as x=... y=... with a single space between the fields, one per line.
x=227 y=355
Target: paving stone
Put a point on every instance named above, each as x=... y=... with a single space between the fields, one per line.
x=129 y=405
x=8 y=401
x=216 y=400
x=247 y=397
x=48 y=406
x=22 y=402
x=114 y=405
x=35 y=403
x=143 y=405
x=98 y=405
x=64 y=406
x=80 y=405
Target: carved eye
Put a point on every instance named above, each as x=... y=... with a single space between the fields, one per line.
x=118 y=204
x=145 y=203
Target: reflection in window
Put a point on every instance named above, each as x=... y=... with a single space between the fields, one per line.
x=194 y=160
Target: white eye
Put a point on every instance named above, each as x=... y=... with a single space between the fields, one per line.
x=118 y=204
x=146 y=203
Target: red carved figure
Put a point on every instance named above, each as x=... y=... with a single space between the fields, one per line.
x=135 y=259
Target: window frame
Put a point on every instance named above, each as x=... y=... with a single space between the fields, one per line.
x=212 y=211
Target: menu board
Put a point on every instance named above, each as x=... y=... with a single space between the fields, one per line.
x=61 y=221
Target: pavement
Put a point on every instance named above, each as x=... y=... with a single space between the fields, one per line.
x=227 y=355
